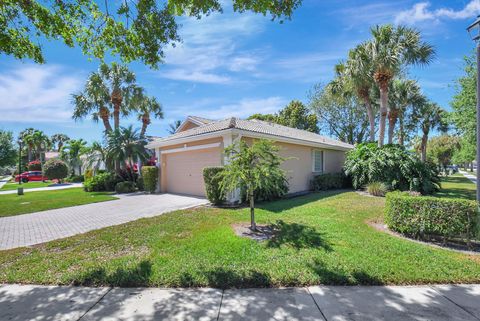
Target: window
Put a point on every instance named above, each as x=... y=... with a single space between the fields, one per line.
x=317 y=161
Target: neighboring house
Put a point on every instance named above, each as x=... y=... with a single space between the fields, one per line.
x=51 y=155
x=199 y=143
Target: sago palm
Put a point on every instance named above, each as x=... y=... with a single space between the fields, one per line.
x=94 y=99
x=391 y=49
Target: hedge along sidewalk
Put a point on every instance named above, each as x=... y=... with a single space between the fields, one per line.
x=43 y=189
x=424 y=216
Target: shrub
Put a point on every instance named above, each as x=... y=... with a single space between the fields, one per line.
x=34 y=165
x=75 y=179
x=392 y=165
x=125 y=187
x=55 y=169
x=88 y=174
x=139 y=184
x=102 y=182
x=324 y=182
x=423 y=216
x=377 y=189
x=150 y=178
x=212 y=178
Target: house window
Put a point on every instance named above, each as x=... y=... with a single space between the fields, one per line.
x=317 y=161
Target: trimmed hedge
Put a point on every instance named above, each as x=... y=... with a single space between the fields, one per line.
x=35 y=165
x=55 y=169
x=102 y=182
x=125 y=187
x=325 y=182
x=75 y=179
x=150 y=178
x=423 y=216
x=212 y=179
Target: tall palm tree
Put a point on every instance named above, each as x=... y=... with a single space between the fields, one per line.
x=429 y=116
x=59 y=140
x=391 y=49
x=172 y=128
x=125 y=145
x=38 y=142
x=121 y=84
x=147 y=107
x=404 y=93
x=27 y=138
x=71 y=154
x=358 y=70
x=93 y=99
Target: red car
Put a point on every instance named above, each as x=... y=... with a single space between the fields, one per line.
x=33 y=176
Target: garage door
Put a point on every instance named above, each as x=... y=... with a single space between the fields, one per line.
x=184 y=170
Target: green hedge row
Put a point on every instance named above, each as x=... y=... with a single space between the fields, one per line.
x=150 y=178
x=212 y=179
x=324 y=182
x=423 y=216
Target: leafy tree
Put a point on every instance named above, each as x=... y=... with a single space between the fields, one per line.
x=172 y=128
x=464 y=102
x=8 y=152
x=391 y=49
x=430 y=116
x=466 y=154
x=134 y=30
x=340 y=113
x=55 y=169
x=295 y=115
x=255 y=167
x=59 y=140
x=71 y=153
x=442 y=148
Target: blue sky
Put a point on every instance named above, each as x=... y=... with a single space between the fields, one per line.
x=239 y=64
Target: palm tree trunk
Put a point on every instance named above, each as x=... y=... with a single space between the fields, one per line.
x=116 y=116
x=424 y=147
x=383 y=114
x=253 y=226
x=392 y=121
x=29 y=154
x=371 y=119
x=144 y=129
x=401 y=131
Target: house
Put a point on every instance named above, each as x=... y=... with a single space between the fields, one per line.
x=199 y=143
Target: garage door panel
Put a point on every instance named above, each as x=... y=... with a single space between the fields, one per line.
x=184 y=170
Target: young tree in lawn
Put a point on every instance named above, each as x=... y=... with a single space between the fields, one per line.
x=442 y=148
x=59 y=140
x=253 y=168
x=391 y=49
x=132 y=30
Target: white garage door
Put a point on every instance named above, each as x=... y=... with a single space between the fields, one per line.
x=184 y=170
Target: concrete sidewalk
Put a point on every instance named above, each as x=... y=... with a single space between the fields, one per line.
x=442 y=302
x=40 y=189
x=471 y=177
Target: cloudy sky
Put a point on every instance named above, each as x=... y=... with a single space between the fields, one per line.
x=238 y=64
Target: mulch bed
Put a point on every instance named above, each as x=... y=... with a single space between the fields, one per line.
x=263 y=232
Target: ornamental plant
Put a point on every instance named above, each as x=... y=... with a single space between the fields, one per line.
x=35 y=165
x=150 y=178
x=55 y=169
x=212 y=177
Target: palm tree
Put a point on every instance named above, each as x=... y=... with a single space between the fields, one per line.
x=358 y=70
x=94 y=99
x=391 y=49
x=146 y=108
x=71 y=154
x=403 y=93
x=430 y=116
x=125 y=145
x=27 y=138
x=121 y=84
x=96 y=156
x=172 y=128
x=59 y=140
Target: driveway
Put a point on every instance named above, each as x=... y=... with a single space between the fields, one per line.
x=39 y=227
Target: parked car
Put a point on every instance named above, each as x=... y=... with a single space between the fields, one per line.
x=32 y=176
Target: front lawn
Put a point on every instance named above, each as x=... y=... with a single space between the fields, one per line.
x=457 y=186
x=323 y=239
x=12 y=204
x=14 y=185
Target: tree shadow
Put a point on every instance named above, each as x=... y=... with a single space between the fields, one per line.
x=339 y=277
x=289 y=203
x=297 y=236
x=224 y=279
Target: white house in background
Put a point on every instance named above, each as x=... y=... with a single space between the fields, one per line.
x=199 y=143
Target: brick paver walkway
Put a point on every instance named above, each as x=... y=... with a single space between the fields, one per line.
x=39 y=227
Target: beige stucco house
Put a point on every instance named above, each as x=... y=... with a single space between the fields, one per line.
x=199 y=143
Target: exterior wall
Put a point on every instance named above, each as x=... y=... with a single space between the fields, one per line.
x=333 y=161
x=189 y=125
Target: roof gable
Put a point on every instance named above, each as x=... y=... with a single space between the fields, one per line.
x=192 y=122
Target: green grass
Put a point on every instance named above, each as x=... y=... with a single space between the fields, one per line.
x=14 y=185
x=323 y=238
x=13 y=204
x=457 y=186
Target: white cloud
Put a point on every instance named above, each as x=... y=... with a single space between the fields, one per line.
x=421 y=12
x=246 y=107
x=36 y=93
x=196 y=76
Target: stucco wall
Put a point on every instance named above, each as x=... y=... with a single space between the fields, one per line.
x=334 y=160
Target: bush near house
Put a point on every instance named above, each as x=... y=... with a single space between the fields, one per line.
x=423 y=216
x=88 y=174
x=125 y=187
x=377 y=189
x=75 y=179
x=150 y=178
x=328 y=181
x=102 y=182
x=35 y=165
x=55 y=169
x=212 y=178
x=392 y=165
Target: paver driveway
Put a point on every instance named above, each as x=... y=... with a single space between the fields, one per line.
x=39 y=227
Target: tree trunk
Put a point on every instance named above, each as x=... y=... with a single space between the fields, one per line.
x=116 y=98
x=253 y=226
x=392 y=121
x=60 y=145
x=383 y=115
x=401 y=131
x=29 y=154
x=371 y=119
x=145 y=123
x=424 y=147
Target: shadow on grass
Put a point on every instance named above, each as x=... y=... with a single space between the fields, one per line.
x=289 y=203
x=296 y=235
x=338 y=277
x=225 y=278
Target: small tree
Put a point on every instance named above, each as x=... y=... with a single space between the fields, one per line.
x=55 y=169
x=253 y=167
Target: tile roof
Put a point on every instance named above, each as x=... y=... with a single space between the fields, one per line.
x=256 y=126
